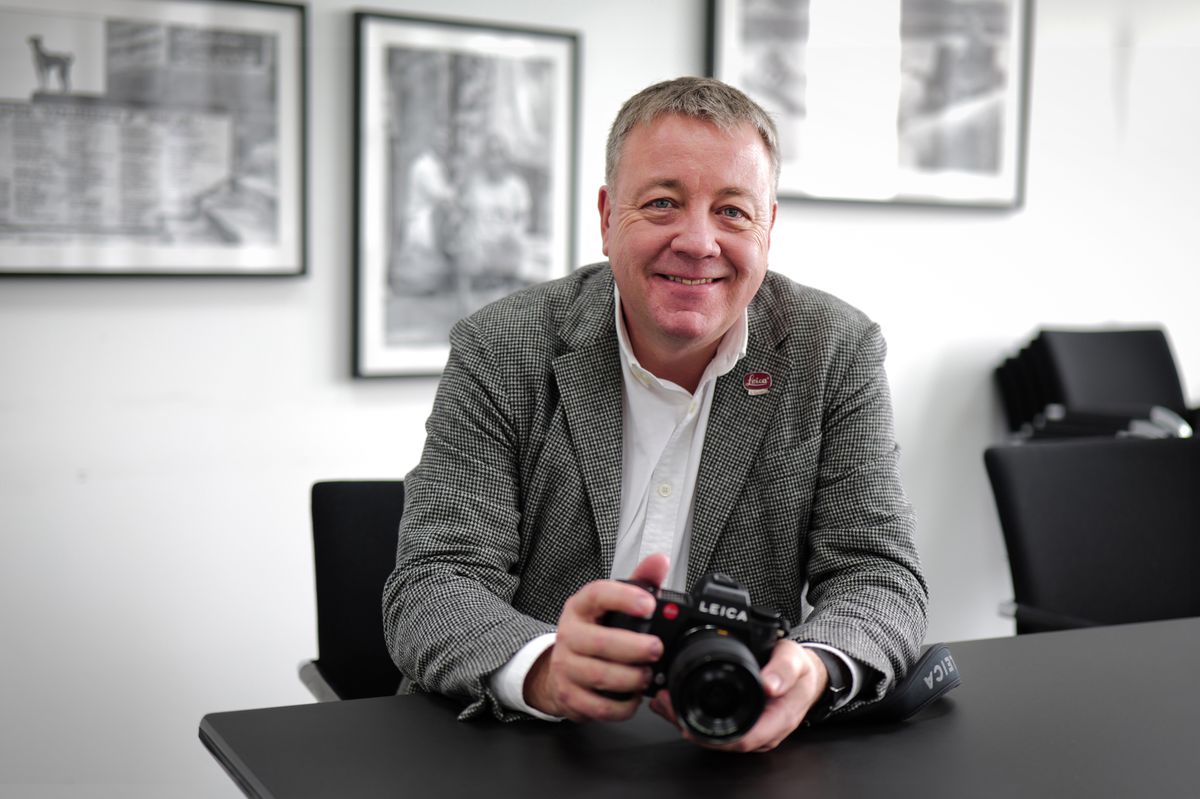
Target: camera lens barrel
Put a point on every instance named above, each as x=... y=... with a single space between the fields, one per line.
x=715 y=685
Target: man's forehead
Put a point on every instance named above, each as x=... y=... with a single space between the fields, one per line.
x=672 y=184
x=660 y=151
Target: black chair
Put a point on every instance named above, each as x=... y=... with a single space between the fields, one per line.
x=355 y=524
x=1099 y=530
x=1104 y=382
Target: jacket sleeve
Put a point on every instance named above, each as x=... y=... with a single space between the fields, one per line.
x=866 y=587
x=448 y=618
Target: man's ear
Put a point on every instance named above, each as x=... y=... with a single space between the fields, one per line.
x=604 y=204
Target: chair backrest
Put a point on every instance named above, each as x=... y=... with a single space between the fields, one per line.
x=1096 y=370
x=1101 y=529
x=355 y=525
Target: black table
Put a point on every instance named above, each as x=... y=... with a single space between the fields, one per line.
x=1104 y=712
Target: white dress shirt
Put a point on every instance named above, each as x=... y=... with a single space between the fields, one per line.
x=663 y=437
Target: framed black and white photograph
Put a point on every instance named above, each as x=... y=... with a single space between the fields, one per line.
x=152 y=137
x=903 y=101
x=465 y=167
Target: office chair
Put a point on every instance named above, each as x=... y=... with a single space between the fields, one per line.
x=1111 y=371
x=1099 y=530
x=1103 y=382
x=354 y=525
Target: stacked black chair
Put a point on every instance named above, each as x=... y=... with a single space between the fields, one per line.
x=1106 y=382
x=1099 y=530
x=355 y=526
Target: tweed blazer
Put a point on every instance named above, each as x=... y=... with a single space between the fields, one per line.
x=515 y=501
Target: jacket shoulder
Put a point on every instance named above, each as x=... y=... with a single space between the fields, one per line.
x=787 y=310
x=540 y=315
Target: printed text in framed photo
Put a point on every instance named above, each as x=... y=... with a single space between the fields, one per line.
x=903 y=101
x=465 y=178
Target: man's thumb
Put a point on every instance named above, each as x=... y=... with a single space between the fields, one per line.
x=653 y=569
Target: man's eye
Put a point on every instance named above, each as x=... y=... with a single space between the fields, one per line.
x=661 y=203
x=732 y=213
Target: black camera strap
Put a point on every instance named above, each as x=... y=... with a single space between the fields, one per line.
x=933 y=676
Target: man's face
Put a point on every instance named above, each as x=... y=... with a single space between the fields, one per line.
x=686 y=226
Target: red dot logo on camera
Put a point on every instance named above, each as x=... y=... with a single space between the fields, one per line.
x=670 y=611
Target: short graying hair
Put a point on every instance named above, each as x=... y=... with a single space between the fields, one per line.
x=707 y=99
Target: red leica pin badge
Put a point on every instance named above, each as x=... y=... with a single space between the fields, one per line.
x=757 y=383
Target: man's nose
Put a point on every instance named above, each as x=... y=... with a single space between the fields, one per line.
x=696 y=236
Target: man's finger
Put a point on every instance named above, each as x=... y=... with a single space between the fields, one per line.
x=591 y=602
x=788 y=664
x=582 y=704
x=653 y=570
x=661 y=704
x=621 y=671
x=611 y=645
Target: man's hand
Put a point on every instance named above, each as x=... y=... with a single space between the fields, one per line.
x=793 y=680
x=588 y=657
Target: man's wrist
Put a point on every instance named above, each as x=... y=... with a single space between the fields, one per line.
x=836 y=687
x=509 y=681
x=536 y=691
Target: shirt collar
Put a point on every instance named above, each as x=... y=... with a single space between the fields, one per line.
x=733 y=346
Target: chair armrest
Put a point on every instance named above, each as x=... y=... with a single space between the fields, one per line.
x=1175 y=425
x=315 y=682
x=1035 y=619
x=1155 y=421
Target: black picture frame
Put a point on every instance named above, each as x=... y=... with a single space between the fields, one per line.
x=919 y=102
x=153 y=138
x=465 y=177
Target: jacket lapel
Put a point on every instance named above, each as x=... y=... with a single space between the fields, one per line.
x=737 y=423
x=589 y=384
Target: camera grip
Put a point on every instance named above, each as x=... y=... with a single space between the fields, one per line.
x=624 y=621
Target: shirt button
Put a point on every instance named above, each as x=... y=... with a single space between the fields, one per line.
x=664 y=489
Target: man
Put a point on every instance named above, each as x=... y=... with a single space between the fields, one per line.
x=674 y=412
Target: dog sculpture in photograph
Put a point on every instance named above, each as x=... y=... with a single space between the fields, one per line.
x=47 y=63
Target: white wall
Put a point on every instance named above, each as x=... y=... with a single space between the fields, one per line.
x=158 y=437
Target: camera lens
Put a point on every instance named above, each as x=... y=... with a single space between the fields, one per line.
x=715 y=686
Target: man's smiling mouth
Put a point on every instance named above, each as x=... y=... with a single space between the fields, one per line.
x=690 y=282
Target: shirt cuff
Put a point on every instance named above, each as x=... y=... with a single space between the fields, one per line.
x=508 y=681
x=852 y=667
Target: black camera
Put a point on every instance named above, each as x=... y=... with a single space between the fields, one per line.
x=714 y=645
